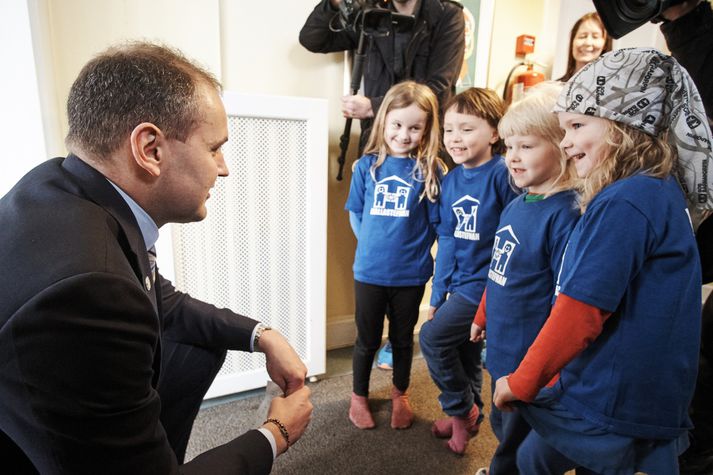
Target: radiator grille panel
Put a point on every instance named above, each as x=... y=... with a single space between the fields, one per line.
x=251 y=253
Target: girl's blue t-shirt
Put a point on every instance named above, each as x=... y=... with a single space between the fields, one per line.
x=470 y=205
x=397 y=226
x=634 y=253
x=526 y=258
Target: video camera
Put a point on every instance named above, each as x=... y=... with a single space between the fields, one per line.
x=372 y=17
x=622 y=16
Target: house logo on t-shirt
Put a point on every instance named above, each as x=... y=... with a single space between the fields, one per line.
x=503 y=247
x=466 y=211
x=391 y=197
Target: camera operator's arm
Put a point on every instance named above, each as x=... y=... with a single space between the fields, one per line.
x=447 y=50
x=689 y=36
x=316 y=35
x=445 y=57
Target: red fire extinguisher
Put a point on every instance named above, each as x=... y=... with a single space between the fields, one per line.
x=521 y=82
x=524 y=45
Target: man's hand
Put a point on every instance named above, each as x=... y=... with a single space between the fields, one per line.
x=503 y=396
x=335 y=3
x=476 y=333
x=285 y=368
x=295 y=412
x=432 y=312
x=677 y=11
x=357 y=107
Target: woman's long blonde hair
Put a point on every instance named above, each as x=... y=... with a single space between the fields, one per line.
x=400 y=96
x=532 y=115
x=629 y=151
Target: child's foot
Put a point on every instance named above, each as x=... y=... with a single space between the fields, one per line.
x=442 y=428
x=385 y=358
x=359 y=412
x=463 y=429
x=401 y=412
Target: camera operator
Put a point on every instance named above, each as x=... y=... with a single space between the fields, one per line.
x=688 y=30
x=430 y=53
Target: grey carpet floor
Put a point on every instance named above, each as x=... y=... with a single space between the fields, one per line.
x=332 y=445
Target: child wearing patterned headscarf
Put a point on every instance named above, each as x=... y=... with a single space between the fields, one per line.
x=607 y=383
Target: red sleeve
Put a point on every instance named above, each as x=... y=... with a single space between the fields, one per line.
x=479 y=318
x=570 y=328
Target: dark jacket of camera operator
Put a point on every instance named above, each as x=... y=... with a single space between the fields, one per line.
x=690 y=39
x=433 y=55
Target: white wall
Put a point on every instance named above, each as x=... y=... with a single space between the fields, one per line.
x=21 y=132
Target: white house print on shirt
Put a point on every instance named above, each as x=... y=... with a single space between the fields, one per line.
x=503 y=247
x=391 y=197
x=466 y=211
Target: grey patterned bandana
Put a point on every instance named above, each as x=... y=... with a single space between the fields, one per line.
x=648 y=90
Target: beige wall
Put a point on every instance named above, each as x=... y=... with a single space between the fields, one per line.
x=263 y=55
x=253 y=47
x=511 y=19
x=70 y=32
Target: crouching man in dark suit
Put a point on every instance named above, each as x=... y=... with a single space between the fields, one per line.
x=103 y=364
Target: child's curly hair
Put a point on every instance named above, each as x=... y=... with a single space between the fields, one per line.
x=629 y=151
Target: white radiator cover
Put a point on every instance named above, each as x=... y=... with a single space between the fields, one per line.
x=262 y=249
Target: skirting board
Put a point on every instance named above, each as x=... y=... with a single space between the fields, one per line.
x=341 y=331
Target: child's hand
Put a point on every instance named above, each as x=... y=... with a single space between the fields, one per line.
x=476 y=333
x=432 y=312
x=503 y=396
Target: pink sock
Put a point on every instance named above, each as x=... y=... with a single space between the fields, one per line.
x=401 y=412
x=359 y=412
x=442 y=428
x=463 y=429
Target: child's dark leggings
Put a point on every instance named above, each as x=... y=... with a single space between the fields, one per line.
x=372 y=303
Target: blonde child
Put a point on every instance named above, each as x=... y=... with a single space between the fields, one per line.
x=392 y=209
x=622 y=337
x=472 y=197
x=529 y=243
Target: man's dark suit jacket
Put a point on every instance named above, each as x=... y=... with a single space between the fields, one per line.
x=80 y=335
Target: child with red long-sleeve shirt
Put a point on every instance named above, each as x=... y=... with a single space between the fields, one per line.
x=623 y=332
x=526 y=256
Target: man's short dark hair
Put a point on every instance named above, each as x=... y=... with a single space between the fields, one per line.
x=130 y=84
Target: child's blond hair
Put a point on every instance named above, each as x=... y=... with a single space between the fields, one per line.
x=532 y=115
x=628 y=151
x=400 y=96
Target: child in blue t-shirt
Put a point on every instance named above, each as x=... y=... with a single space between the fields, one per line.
x=526 y=256
x=392 y=209
x=472 y=197
x=609 y=379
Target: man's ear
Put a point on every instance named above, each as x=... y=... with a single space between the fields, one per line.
x=146 y=140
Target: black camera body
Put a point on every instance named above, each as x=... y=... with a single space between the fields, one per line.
x=622 y=16
x=373 y=17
